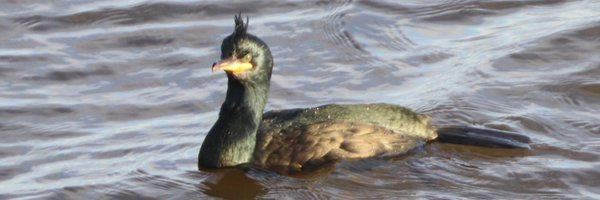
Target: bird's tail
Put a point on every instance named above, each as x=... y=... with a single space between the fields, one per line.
x=466 y=135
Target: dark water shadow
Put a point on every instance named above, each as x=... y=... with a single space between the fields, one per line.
x=231 y=184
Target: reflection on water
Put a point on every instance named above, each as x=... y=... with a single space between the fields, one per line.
x=112 y=99
x=233 y=184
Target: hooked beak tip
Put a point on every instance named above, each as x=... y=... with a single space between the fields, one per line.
x=213 y=68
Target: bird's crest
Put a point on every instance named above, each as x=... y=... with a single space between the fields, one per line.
x=240 y=27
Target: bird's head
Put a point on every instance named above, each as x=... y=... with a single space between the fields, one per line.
x=244 y=57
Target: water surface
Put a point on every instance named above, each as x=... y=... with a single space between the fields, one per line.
x=112 y=99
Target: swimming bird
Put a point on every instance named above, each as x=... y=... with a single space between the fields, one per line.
x=306 y=138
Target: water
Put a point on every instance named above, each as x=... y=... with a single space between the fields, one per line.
x=112 y=99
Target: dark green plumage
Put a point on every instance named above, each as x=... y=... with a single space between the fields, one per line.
x=389 y=116
x=231 y=140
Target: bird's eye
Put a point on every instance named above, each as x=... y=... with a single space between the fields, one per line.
x=247 y=57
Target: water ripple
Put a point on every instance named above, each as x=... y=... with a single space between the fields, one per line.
x=112 y=99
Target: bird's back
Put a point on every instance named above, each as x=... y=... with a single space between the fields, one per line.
x=295 y=139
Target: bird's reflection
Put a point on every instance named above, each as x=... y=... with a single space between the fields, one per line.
x=232 y=184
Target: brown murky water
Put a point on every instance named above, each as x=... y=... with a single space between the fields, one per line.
x=112 y=99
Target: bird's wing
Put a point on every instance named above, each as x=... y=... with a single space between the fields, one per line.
x=307 y=146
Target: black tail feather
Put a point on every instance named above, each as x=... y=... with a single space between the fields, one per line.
x=482 y=137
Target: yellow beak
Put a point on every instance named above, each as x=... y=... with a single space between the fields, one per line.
x=235 y=66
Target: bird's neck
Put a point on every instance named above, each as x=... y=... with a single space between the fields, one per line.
x=232 y=138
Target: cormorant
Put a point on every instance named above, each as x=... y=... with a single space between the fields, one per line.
x=301 y=139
